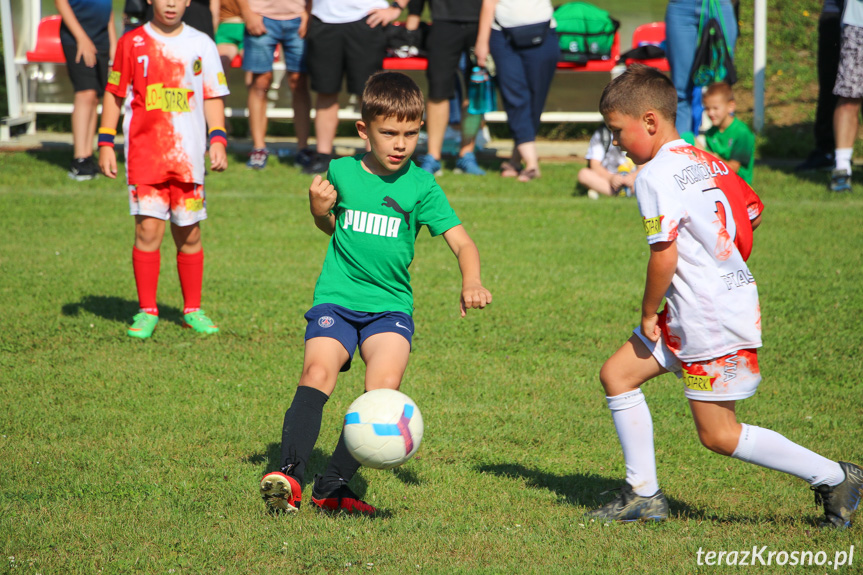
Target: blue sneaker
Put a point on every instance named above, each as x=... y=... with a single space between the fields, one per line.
x=432 y=166
x=467 y=165
x=840 y=181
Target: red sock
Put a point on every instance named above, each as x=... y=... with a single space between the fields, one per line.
x=191 y=270
x=146 y=266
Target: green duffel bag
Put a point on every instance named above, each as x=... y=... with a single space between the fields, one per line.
x=585 y=32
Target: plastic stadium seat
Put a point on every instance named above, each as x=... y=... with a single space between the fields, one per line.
x=414 y=63
x=595 y=65
x=48 y=48
x=653 y=33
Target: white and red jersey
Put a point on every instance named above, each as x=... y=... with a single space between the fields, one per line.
x=689 y=195
x=165 y=80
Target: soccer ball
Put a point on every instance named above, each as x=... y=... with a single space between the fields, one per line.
x=383 y=428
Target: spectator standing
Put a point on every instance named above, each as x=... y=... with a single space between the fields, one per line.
x=849 y=89
x=453 y=33
x=525 y=50
x=230 y=31
x=681 y=36
x=345 y=39
x=829 y=41
x=88 y=38
x=270 y=23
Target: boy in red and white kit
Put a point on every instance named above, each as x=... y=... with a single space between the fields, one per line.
x=699 y=217
x=175 y=82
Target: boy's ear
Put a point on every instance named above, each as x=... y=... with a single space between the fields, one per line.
x=732 y=106
x=650 y=122
x=362 y=130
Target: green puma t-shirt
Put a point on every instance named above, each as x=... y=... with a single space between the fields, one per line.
x=378 y=219
x=736 y=142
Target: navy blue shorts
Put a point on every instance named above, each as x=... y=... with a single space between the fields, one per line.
x=351 y=328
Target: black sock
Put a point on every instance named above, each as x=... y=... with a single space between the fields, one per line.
x=342 y=467
x=300 y=430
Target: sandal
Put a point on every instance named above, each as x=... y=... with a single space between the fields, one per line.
x=528 y=175
x=508 y=170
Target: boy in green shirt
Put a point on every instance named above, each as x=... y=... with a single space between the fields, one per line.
x=729 y=138
x=373 y=205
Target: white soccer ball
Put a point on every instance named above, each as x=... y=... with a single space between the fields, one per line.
x=383 y=428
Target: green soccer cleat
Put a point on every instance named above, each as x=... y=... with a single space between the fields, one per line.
x=629 y=506
x=198 y=321
x=840 y=501
x=143 y=325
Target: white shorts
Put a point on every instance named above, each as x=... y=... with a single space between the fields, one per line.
x=728 y=378
x=184 y=203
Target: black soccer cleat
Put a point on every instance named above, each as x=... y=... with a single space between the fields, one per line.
x=629 y=506
x=840 y=501
x=340 y=498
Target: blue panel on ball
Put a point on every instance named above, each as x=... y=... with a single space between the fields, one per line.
x=352 y=417
x=409 y=410
x=386 y=429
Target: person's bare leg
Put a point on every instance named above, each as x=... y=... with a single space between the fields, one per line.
x=257 y=102
x=326 y=122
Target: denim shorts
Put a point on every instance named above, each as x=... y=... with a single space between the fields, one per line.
x=351 y=328
x=260 y=50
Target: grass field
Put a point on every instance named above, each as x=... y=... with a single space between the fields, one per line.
x=121 y=456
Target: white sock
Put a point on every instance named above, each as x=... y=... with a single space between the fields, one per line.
x=769 y=449
x=635 y=431
x=843 y=159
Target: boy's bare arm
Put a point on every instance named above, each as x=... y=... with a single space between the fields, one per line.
x=110 y=116
x=660 y=271
x=734 y=165
x=86 y=50
x=473 y=294
x=214 y=112
x=322 y=199
x=112 y=38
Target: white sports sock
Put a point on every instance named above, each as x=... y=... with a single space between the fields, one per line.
x=769 y=449
x=635 y=431
x=843 y=159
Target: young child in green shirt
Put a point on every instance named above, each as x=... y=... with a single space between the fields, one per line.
x=729 y=138
x=373 y=205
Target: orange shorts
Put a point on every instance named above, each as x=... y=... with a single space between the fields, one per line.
x=181 y=202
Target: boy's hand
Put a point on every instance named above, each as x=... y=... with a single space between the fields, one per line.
x=218 y=157
x=617 y=182
x=650 y=327
x=473 y=297
x=322 y=197
x=108 y=161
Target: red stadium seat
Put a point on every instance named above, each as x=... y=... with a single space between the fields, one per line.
x=653 y=33
x=48 y=48
x=595 y=65
x=415 y=63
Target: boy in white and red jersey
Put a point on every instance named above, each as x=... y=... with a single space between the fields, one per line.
x=699 y=217
x=175 y=85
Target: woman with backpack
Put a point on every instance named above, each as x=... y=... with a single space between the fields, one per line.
x=519 y=36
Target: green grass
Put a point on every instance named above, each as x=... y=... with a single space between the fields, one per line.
x=122 y=456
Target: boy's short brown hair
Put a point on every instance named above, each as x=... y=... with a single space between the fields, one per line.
x=639 y=89
x=720 y=89
x=392 y=94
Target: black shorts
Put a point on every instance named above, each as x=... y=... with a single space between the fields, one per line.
x=445 y=44
x=335 y=50
x=84 y=77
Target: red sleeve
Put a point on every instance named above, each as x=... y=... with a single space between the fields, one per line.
x=121 y=72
